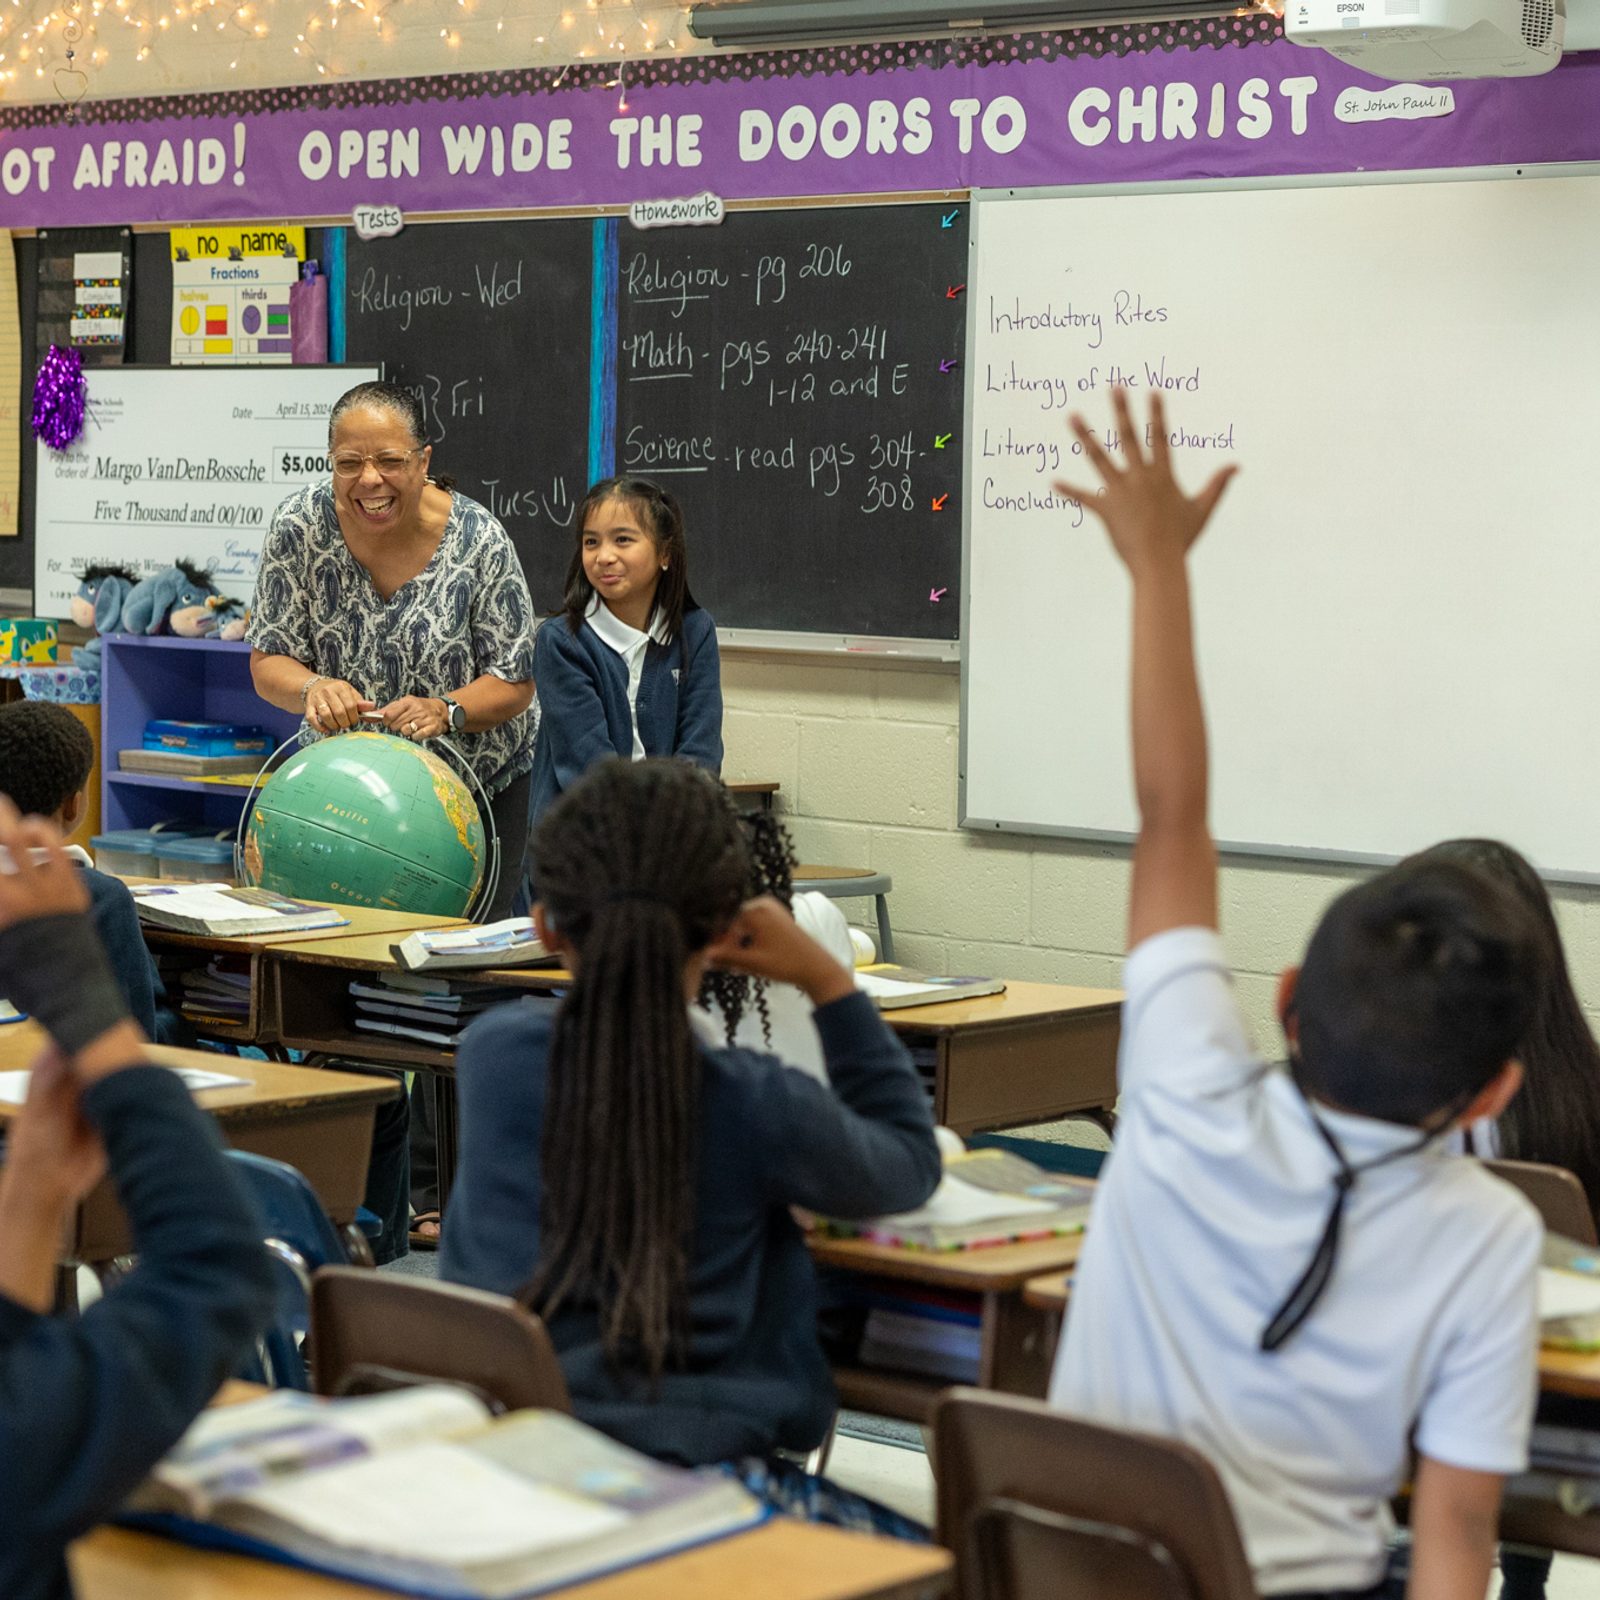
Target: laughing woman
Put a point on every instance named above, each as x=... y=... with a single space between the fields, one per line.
x=382 y=590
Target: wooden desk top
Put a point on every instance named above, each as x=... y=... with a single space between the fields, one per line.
x=1021 y=1002
x=781 y=1560
x=994 y=1269
x=1048 y=1293
x=363 y=920
x=272 y=1087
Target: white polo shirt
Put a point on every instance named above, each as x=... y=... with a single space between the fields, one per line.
x=630 y=644
x=1209 y=1210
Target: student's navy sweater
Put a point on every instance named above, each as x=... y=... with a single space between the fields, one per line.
x=87 y=1407
x=770 y=1138
x=116 y=920
x=583 y=702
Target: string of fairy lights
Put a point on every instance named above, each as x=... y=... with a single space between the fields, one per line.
x=66 y=49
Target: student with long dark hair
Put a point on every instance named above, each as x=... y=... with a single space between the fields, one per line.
x=631 y=668
x=636 y=1185
x=1556 y=1116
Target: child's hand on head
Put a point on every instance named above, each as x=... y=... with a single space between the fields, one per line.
x=1149 y=518
x=40 y=879
x=765 y=941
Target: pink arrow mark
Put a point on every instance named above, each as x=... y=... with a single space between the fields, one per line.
x=936 y=595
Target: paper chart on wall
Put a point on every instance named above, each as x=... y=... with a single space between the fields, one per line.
x=230 y=294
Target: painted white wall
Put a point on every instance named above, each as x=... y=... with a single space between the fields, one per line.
x=867 y=760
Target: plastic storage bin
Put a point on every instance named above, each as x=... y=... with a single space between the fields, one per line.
x=196 y=860
x=127 y=852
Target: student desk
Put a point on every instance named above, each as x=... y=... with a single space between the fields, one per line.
x=781 y=1560
x=1017 y=1339
x=319 y=1122
x=259 y=1027
x=1037 y=1052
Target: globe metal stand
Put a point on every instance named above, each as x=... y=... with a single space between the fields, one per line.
x=478 y=906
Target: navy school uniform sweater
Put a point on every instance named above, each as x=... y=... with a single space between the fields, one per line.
x=116 y=920
x=583 y=702
x=770 y=1138
x=87 y=1407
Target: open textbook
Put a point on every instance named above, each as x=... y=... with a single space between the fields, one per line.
x=226 y=912
x=511 y=943
x=985 y=1197
x=423 y=1490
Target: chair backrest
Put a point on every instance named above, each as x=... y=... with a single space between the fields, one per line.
x=299 y=1237
x=1555 y=1192
x=1034 y=1504
x=376 y=1330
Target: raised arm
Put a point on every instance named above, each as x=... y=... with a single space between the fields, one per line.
x=87 y=1407
x=1152 y=525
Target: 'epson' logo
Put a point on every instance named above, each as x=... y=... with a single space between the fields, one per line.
x=1351 y=5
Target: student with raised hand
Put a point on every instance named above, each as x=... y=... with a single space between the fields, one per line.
x=1289 y=1269
x=636 y=1186
x=631 y=667
x=88 y=1406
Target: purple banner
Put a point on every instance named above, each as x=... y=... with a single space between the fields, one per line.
x=1206 y=99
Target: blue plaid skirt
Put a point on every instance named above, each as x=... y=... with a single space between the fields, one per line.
x=794 y=1492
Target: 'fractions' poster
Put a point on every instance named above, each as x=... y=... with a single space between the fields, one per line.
x=230 y=294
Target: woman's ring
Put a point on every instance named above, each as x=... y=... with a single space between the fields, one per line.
x=411 y=727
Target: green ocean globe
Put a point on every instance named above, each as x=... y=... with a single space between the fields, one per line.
x=366 y=818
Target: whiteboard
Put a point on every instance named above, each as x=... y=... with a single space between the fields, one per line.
x=180 y=462
x=1398 y=602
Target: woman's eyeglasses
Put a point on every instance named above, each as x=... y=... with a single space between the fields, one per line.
x=389 y=463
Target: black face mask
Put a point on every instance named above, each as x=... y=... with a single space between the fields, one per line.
x=1301 y=1300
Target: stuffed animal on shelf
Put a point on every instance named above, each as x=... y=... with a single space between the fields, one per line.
x=181 y=600
x=229 y=617
x=102 y=591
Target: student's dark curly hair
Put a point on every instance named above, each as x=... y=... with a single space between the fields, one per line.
x=46 y=756
x=639 y=865
x=772 y=864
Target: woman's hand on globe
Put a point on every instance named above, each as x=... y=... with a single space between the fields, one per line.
x=334 y=705
x=416 y=717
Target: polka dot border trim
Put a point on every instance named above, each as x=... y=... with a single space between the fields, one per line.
x=1201 y=33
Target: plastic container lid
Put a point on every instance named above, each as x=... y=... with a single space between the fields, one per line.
x=213 y=852
x=139 y=841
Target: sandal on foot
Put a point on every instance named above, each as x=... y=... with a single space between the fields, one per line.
x=421 y=1237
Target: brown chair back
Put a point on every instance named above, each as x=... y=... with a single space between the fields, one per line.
x=1034 y=1505
x=372 y=1331
x=1557 y=1195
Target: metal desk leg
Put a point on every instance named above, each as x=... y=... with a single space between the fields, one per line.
x=442 y=1086
x=885 y=938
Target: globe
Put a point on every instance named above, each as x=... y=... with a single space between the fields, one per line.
x=366 y=818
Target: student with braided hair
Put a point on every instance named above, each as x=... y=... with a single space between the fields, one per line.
x=776 y=1018
x=634 y=1186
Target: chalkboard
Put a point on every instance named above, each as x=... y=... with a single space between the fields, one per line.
x=488 y=324
x=794 y=377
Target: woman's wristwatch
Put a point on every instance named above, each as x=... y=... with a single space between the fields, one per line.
x=455 y=713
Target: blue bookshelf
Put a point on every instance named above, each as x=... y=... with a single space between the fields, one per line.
x=196 y=680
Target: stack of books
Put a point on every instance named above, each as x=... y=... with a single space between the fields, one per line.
x=923 y=1331
x=434 y=1010
x=986 y=1197
x=198 y=749
x=222 y=911
x=511 y=943
x=216 y=992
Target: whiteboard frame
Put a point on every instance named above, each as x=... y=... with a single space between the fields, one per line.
x=979 y=200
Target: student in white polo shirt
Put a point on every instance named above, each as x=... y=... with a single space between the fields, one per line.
x=1286 y=1267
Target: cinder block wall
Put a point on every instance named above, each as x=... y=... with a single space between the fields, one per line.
x=867 y=760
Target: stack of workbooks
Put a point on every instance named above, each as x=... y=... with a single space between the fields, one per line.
x=216 y=992
x=434 y=1010
x=511 y=943
x=422 y=1490
x=222 y=911
x=985 y=1197
x=912 y=1329
x=185 y=764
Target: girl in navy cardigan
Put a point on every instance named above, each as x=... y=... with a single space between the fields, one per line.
x=636 y=1185
x=631 y=669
